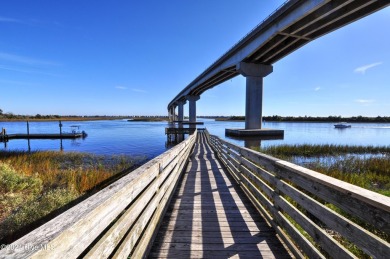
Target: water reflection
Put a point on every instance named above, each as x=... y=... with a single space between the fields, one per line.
x=148 y=138
x=254 y=142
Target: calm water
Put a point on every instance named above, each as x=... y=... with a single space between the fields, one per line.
x=148 y=138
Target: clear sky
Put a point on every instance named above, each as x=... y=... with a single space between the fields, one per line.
x=128 y=57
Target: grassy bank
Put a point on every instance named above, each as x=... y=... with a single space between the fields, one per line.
x=34 y=185
x=364 y=166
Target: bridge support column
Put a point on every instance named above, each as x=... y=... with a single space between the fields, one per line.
x=254 y=74
x=169 y=115
x=181 y=111
x=192 y=109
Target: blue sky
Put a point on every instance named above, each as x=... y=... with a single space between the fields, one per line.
x=132 y=57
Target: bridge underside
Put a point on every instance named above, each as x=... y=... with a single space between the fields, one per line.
x=293 y=25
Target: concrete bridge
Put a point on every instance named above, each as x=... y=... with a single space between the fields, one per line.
x=294 y=24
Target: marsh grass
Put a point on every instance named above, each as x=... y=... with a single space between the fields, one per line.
x=32 y=185
x=307 y=150
x=364 y=166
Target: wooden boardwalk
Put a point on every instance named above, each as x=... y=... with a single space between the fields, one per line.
x=210 y=217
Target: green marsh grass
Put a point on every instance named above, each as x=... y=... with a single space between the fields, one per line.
x=364 y=166
x=33 y=185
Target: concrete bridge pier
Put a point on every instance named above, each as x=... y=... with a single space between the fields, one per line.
x=254 y=74
x=192 y=109
x=180 y=118
x=181 y=111
x=171 y=114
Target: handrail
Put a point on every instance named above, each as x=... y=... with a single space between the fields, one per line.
x=118 y=221
x=308 y=209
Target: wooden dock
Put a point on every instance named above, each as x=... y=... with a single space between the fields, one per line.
x=41 y=136
x=175 y=131
x=210 y=216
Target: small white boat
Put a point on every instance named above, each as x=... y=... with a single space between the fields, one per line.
x=342 y=125
x=76 y=131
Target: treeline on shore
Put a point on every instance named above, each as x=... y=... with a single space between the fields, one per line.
x=39 y=117
x=311 y=119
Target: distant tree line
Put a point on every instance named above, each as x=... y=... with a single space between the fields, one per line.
x=328 y=119
x=10 y=115
x=314 y=119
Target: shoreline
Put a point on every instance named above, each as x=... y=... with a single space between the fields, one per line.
x=92 y=118
x=385 y=122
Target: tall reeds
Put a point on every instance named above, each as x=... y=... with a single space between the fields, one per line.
x=365 y=166
x=33 y=185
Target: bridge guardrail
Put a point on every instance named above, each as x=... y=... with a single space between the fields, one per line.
x=311 y=212
x=246 y=35
x=118 y=221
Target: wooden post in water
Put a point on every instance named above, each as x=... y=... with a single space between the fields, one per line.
x=60 y=124
x=61 y=147
x=28 y=136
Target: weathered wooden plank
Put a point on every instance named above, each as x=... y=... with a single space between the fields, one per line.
x=210 y=213
x=179 y=199
x=221 y=214
x=258 y=182
x=211 y=217
x=148 y=236
x=269 y=231
x=260 y=200
x=256 y=157
x=232 y=206
x=174 y=239
x=327 y=242
x=219 y=246
x=211 y=224
x=370 y=243
x=213 y=228
x=216 y=254
x=258 y=171
x=107 y=243
x=346 y=200
x=269 y=218
x=132 y=237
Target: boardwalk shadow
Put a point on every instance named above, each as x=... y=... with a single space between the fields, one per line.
x=212 y=218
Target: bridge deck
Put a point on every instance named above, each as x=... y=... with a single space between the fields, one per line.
x=210 y=216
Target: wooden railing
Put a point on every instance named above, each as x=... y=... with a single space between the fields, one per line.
x=311 y=212
x=118 y=221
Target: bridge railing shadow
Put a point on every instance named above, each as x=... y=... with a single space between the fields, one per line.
x=213 y=217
